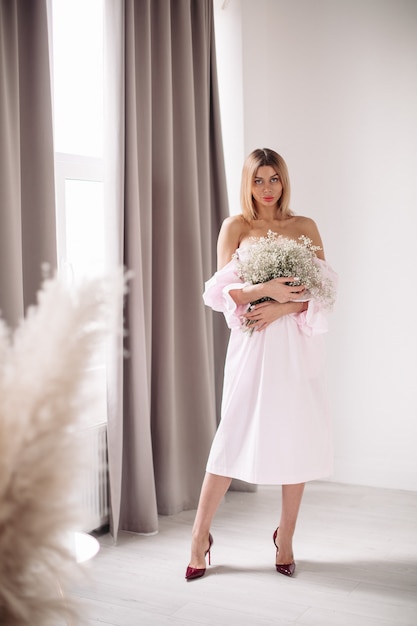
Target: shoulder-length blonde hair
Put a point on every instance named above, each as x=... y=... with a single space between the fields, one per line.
x=256 y=159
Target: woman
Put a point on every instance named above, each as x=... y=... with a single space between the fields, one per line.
x=274 y=427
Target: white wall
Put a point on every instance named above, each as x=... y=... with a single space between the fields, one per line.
x=332 y=86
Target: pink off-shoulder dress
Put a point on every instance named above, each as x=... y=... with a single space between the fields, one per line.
x=275 y=426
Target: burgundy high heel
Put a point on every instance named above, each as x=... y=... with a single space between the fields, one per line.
x=198 y=572
x=287 y=569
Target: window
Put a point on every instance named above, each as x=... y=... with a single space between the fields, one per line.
x=77 y=62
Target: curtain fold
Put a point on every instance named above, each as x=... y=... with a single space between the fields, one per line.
x=114 y=105
x=175 y=201
x=27 y=196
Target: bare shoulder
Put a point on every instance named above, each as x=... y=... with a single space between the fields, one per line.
x=231 y=233
x=308 y=227
x=305 y=222
x=233 y=230
x=234 y=225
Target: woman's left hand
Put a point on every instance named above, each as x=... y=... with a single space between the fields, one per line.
x=264 y=313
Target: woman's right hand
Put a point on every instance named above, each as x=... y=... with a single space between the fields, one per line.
x=278 y=290
x=261 y=315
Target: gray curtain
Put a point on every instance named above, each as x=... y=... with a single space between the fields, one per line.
x=174 y=202
x=27 y=198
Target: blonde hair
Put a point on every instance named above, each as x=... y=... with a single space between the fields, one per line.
x=256 y=159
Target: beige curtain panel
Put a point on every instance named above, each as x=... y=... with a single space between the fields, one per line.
x=27 y=197
x=174 y=202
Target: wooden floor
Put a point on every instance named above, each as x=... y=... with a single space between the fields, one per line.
x=356 y=553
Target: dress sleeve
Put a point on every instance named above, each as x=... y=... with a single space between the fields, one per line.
x=314 y=320
x=216 y=294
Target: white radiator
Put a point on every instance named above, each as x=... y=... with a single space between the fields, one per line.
x=95 y=488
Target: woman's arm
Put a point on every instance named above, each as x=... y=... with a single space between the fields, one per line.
x=264 y=313
x=275 y=289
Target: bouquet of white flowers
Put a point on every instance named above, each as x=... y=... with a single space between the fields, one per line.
x=275 y=256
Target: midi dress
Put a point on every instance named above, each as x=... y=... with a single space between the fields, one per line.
x=275 y=425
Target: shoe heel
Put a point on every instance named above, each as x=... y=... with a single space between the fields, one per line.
x=209 y=548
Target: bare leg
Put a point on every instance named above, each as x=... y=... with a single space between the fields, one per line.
x=291 y=500
x=212 y=491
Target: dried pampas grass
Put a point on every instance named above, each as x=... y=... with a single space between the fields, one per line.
x=41 y=369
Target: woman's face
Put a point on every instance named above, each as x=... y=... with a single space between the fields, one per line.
x=266 y=187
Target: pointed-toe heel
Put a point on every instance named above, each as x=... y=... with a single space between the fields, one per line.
x=197 y=572
x=194 y=572
x=287 y=569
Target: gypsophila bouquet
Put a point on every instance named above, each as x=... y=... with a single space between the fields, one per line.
x=275 y=256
